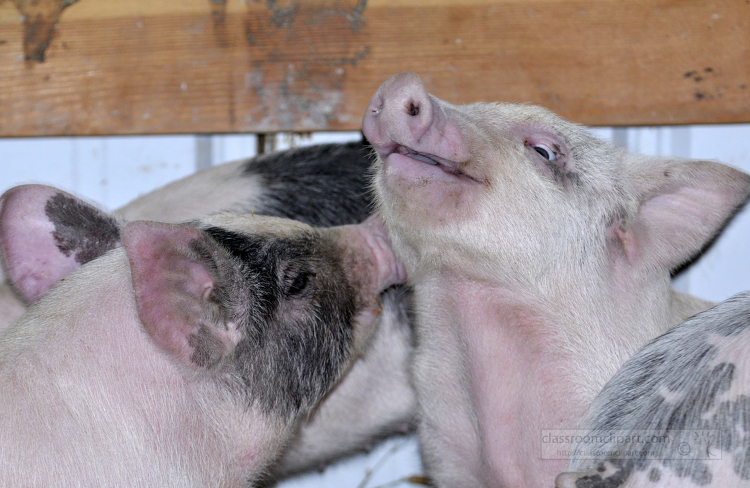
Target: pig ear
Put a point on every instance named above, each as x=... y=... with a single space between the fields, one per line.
x=46 y=233
x=174 y=292
x=683 y=205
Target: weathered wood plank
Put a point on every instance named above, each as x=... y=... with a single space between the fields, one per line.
x=211 y=66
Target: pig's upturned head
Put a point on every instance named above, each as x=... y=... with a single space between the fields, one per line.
x=273 y=308
x=520 y=188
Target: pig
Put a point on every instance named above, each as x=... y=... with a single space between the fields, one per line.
x=539 y=258
x=323 y=185
x=186 y=356
x=677 y=413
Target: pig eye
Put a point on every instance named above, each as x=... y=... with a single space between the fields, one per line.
x=296 y=284
x=545 y=152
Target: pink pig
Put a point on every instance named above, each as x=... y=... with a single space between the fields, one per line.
x=540 y=258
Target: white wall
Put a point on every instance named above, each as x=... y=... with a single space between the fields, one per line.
x=114 y=170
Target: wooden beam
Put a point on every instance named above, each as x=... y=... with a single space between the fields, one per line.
x=215 y=66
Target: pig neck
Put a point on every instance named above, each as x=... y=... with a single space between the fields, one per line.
x=127 y=401
x=526 y=361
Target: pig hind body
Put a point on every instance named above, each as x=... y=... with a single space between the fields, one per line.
x=540 y=258
x=322 y=185
x=677 y=413
x=236 y=331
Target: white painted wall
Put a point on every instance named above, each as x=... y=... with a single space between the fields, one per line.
x=114 y=170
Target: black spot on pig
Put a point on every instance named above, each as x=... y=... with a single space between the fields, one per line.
x=680 y=389
x=612 y=481
x=81 y=229
x=322 y=185
x=296 y=310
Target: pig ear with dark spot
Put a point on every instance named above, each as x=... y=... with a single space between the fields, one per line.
x=683 y=205
x=45 y=233
x=173 y=292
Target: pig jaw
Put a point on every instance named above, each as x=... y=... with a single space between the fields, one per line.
x=554 y=347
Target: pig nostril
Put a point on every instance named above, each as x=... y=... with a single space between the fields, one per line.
x=413 y=109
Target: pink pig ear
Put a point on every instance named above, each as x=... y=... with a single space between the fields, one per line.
x=683 y=205
x=46 y=233
x=173 y=292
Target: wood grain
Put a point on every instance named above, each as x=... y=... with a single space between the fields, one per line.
x=213 y=66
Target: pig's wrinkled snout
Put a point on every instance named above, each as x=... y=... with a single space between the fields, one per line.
x=388 y=268
x=370 y=260
x=399 y=113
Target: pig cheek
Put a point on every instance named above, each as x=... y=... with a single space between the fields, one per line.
x=296 y=310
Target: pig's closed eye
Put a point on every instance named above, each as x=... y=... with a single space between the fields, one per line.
x=545 y=152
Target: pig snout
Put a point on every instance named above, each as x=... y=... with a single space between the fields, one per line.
x=411 y=130
x=399 y=113
x=370 y=261
x=370 y=264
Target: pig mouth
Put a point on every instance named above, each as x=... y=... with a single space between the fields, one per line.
x=447 y=166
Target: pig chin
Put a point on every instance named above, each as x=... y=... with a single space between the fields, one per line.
x=427 y=191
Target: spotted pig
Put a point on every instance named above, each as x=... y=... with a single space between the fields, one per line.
x=321 y=185
x=186 y=356
x=677 y=413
